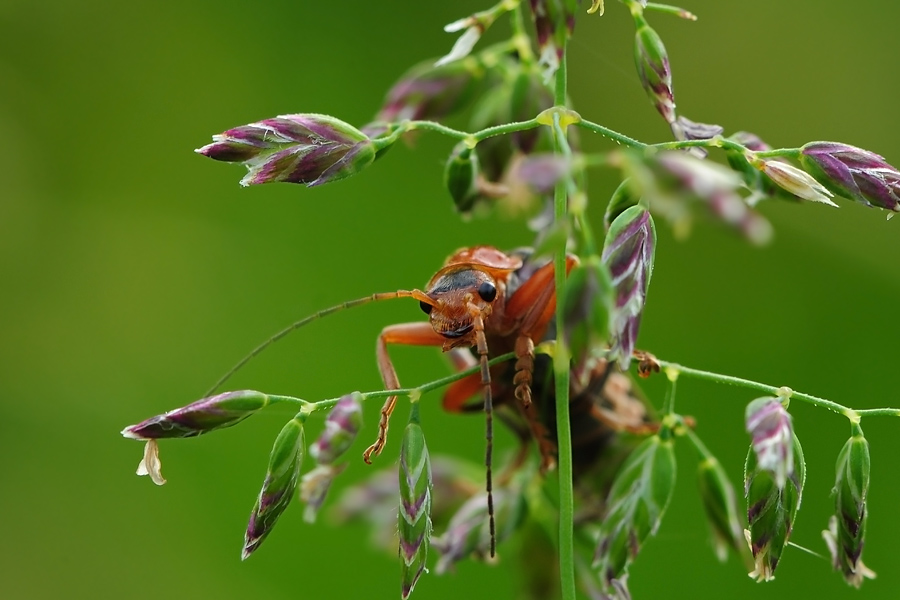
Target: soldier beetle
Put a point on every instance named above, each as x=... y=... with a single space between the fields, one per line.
x=483 y=303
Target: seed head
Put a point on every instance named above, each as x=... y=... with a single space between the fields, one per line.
x=343 y=423
x=688 y=178
x=628 y=252
x=429 y=92
x=771 y=510
x=588 y=304
x=720 y=505
x=653 y=68
x=461 y=177
x=468 y=533
x=846 y=531
x=794 y=180
x=769 y=424
x=279 y=485
x=637 y=501
x=305 y=148
x=853 y=173
x=202 y=416
x=414 y=515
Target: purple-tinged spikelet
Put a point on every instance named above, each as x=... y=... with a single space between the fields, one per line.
x=341 y=427
x=771 y=509
x=589 y=301
x=197 y=418
x=628 y=253
x=468 y=533
x=720 y=506
x=310 y=149
x=414 y=514
x=202 y=416
x=554 y=23
x=461 y=177
x=637 y=501
x=429 y=92
x=717 y=188
x=853 y=173
x=769 y=424
x=796 y=181
x=846 y=531
x=654 y=70
x=279 y=485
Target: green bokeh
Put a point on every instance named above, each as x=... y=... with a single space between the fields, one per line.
x=134 y=273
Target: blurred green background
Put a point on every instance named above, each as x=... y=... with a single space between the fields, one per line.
x=134 y=273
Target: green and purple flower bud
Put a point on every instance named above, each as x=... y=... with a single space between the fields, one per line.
x=541 y=172
x=519 y=96
x=720 y=505
x=306 y=148
x=429 y=92
x=414 y=515
x=202 y=416
x=716 y=187
x=554 y=23
x=846 y=531
x=751 y=141
x=628 y=252
x=279 y=486
x=374 y=501
x=769 y=424
x=637 y=502
x=685 y=129
x=197 y=418
x=314 y=488
x=588 y=303
x=654 y=70
x=468 y=532
x=853 y=173
x=461 y=177
x=623 y=197
x=771 y=510
x=341 y=427
x=796 y=181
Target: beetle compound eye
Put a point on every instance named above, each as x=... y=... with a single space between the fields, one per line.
x=487 y=291
x=426 y=308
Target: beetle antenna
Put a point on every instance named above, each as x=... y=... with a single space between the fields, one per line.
x=417 y=294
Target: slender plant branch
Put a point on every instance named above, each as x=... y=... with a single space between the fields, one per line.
x=785 y=392
x=619 y=138
x=697 y=442
x=561 y=363
x=463 y=136
x=672 y=10
x=413 y=393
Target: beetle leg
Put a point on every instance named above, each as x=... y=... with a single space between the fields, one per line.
x=524 y=369
x=410 y=334
x=461 y=391
x=533 y=305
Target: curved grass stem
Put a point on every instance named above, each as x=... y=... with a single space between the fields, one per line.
x=852 y=414
x=413 y=393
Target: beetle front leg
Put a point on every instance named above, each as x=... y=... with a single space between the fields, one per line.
x=410 y=334
x=533 y=305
